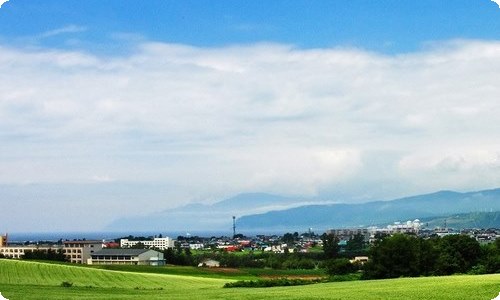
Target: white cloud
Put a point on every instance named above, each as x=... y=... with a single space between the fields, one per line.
x=62 y=30
x=2 y=2
x=268 y=117
x=497 y=2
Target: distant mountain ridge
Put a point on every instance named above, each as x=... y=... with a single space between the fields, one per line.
x=212 y=217
x=483 y=220
x=263 y=212
x=365 y=214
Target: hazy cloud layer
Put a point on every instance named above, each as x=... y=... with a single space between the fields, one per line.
x=212 y=122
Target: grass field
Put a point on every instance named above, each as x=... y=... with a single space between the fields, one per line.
x=223 y=273
x=35 y=280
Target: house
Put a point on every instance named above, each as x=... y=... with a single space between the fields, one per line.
x=79 y=251
x=210 y=263
x=359 y=260
x=111 y=245
x=126 y=257
x=196 y=246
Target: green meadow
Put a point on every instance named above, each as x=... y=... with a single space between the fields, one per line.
x=38 y=280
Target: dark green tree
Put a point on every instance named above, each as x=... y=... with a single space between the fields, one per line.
x=394 y=257
x=139 y=245
x=339 y=266
x=330 y=246
x=288 y=238
x=491 y=257
x=356 y=244
x=458 y=254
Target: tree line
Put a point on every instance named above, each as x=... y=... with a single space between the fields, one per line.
x=409 y=256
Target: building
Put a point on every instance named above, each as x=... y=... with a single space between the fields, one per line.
x=196 y=246
x=209 y=263
x=349 y=233
x=126 y=257
x=80 y=251
x=359 y=260
x=19 y=251
x=158 y=243
x=408 y=227
x=3 y=240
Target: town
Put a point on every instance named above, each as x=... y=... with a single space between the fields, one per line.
x=153 y=250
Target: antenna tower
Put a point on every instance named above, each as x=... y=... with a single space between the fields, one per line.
x=234 y=226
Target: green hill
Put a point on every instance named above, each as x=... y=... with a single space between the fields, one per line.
x=33 y=280
x=433 y=205
x=469 y=220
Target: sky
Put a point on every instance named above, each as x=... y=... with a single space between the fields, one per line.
x=119 y=108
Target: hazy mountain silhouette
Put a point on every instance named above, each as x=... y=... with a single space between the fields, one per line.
x=266 y=212
x=365 y=214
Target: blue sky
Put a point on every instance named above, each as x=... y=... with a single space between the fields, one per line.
x=106 y=104
x=386 y=26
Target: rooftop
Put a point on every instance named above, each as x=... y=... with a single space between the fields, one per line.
x=83 y=242
x=119 y=252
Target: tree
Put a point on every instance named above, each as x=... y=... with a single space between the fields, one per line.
x=330 y=245
x=339 y=266
x=491 y=257
x=139 y=245
x=50 y=254
x=394 y=257
x=458 y=254
x=288 y=238
x=169 y=256
x=427 y=256
x=356 y=243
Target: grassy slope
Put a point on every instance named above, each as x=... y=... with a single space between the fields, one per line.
x=30 y=280
x=222 y=273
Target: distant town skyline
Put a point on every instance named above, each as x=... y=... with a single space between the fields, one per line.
x=113 y=109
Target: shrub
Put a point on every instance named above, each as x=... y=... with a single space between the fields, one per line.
x=271 y=283
x=66 y=284
x=340 y=266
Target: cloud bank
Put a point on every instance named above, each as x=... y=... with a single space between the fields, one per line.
x=212 y=122
x=2 y=2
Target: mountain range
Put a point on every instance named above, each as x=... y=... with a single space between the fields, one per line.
x=441 y=203
x=262 y=212
x=469 y=220
x=208 y=217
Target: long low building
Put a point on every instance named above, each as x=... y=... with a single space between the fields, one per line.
x=126 y=257
x=20 y=251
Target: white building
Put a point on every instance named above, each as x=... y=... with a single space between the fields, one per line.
x=196 y=246
x=408 y=227
x=159 y=243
